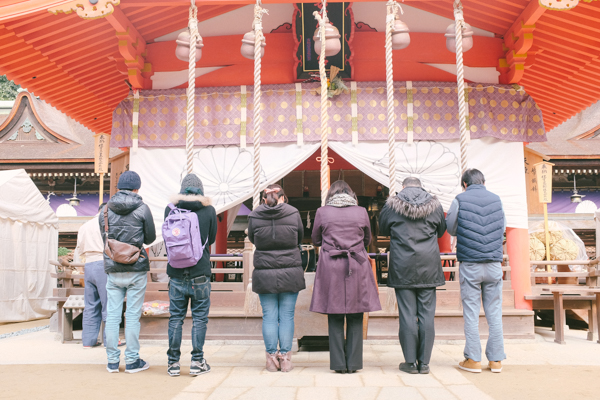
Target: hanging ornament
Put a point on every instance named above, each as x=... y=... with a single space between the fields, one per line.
x=247 y=49
x=559 y=5
x=333 y=45
x=400 y=36
x=182 y=51
x=467 y=37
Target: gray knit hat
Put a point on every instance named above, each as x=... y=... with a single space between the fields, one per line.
x=191 y=181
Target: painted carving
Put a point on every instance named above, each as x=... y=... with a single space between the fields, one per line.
x=25 y=133
x=87 y=9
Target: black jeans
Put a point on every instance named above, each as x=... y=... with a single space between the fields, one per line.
x=182 y=292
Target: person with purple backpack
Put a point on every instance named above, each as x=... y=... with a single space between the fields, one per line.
x=189 y=230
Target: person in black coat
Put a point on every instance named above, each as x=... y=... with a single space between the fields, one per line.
x=414 y=220
x=276 y=230
x=191 y=285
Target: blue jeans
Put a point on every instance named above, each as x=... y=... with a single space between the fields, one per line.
x=182 y=292
x=482 y=281
x=278 y=320
x=119 y=285
x=95 y=302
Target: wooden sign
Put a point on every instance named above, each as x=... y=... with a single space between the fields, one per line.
x=101 y=153
x=304 y=26
x=543 y=173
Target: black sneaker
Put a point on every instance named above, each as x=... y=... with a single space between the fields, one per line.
x=174 y=369
x=423 y=368
x=137 y=366
x=199 y=367
x=409 y=368
x=113 y=367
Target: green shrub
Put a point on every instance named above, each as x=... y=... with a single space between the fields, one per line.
x=63 y=251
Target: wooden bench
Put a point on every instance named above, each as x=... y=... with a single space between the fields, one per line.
x=560 y=297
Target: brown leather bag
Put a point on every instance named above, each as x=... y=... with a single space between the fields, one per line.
x=122 y=253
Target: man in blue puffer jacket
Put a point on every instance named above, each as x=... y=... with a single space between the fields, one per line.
x=476 y=217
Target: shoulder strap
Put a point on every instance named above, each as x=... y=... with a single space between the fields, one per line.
x=172 y=206
x=106 y=220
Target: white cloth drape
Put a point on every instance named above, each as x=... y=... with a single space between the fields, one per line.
x=226 y=172
x=437 y=165
x=28 y=240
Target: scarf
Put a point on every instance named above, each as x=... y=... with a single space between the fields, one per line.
x=342 y=200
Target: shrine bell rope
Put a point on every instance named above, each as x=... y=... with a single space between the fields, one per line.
x=191 y=90
x=258 y=40
x=322 y=20
x=392 y=9
x=465 y=137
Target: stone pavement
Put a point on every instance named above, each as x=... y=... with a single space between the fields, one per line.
x=238 y=370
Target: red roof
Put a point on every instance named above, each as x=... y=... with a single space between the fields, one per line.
x=78 y=66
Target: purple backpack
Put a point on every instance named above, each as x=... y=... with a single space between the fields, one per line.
x=181 y=233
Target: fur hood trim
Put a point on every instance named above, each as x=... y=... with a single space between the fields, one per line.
x=205 y=201
x=413 y=211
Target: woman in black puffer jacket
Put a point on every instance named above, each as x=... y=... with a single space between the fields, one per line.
x=276 y=230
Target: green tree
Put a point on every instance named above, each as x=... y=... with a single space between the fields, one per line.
x=8 y=89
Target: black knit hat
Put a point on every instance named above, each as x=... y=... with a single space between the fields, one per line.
x=129 y=180
x=192 y=184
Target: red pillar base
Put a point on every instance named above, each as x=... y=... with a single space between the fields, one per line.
x=221 y=242
x=517 y=244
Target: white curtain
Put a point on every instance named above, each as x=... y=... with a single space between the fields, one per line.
x=437 y=165
x=226 y=172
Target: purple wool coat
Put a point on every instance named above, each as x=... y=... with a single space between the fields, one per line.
x=344 y=282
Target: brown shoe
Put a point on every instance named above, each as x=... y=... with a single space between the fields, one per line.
x=495 y=366
x=272 y=362
x=285 y=361
x=470 y=365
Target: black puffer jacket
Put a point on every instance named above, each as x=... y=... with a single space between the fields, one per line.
x=414 y=220
x=207 y=221
x=129 y=221
x=277 y=233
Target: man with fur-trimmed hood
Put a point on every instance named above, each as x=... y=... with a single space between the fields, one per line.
x=414 y=220
x=192 y=284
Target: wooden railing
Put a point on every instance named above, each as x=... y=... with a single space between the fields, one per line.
x=245 y=259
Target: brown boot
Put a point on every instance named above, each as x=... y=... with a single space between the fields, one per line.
x=272 y=362
x=285 y=360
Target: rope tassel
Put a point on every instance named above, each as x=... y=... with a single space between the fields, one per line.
x=460 y=79
x=191 y=90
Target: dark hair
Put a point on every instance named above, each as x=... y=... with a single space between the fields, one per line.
x=472 y=176
x=101 y=205
x=273 y=197
x=411 y=181
x=339 y=187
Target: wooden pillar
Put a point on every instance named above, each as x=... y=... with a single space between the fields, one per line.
x=221 y=242
x=517 y=246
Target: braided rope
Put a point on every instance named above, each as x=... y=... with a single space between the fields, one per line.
x=324 y=115
x=389 y=67
x=460 y=79
x=191 y=90
x=258 y=39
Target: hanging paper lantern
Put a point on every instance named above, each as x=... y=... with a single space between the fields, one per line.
x=182 y=51
x=333 y=44
x=247 y=49
x=467 y=38
x=559 y=5
x=400 y=36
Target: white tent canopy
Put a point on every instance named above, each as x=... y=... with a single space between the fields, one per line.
x=28 y=239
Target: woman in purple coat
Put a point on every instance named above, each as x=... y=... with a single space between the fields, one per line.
x=344 y=284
